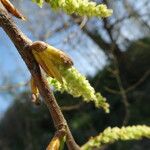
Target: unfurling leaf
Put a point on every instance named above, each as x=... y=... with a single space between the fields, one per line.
x=54 y=144
x=51 y=59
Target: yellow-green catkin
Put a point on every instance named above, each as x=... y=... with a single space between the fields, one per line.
x=79 y=7
x=77 y=85
x=60 y=73
x=110 y=135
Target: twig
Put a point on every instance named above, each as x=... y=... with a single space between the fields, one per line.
x=142 y=79
x=122 y=91
x=115 y=51
x=83 y=22
x=23 y=44
x=112 y=91
x=71 y=107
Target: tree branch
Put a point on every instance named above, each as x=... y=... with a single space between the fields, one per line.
x=23 y=43
x=92 y=34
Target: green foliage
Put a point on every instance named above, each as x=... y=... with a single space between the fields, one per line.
x=79 y=7
x=77 y=85
x=110 y=135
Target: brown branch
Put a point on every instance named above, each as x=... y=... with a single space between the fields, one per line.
x=117 y=54
x=23 y=44
x=122 y=91
x=142 y=79
x=112 y=91
x=92 y=34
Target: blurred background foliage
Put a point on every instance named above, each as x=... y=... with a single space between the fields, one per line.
x=113 y=53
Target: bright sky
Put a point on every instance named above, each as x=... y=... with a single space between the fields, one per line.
x=87 y=57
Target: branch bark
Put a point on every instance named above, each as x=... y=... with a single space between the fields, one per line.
x=23 y=43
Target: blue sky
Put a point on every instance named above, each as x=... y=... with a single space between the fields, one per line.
x=87 y=56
